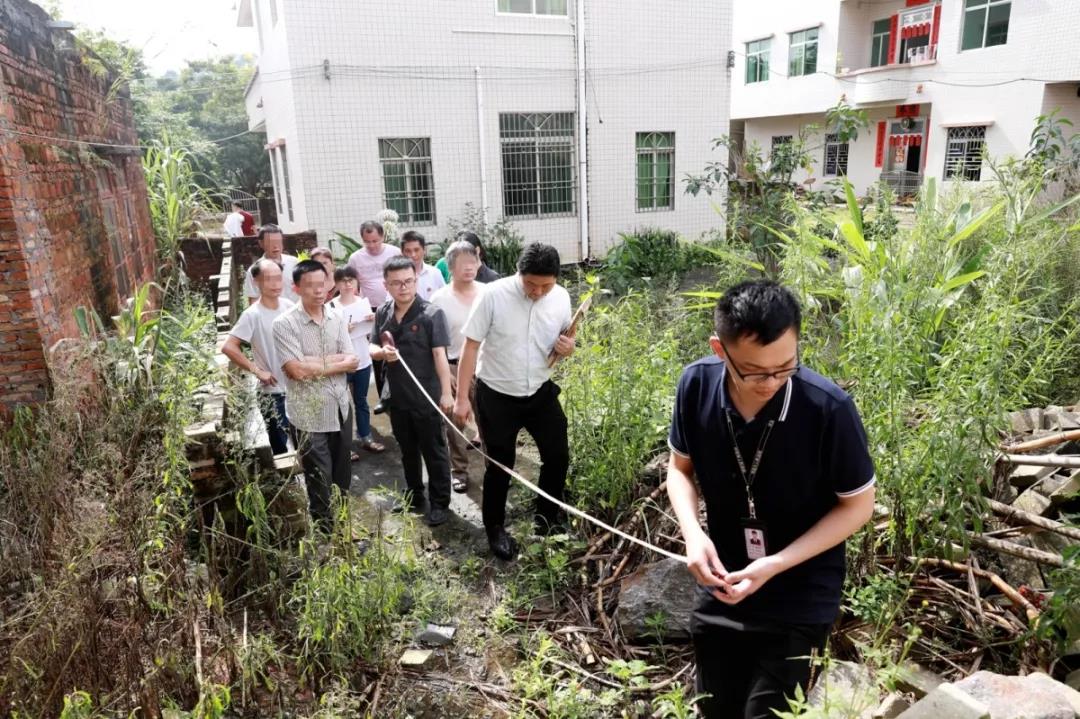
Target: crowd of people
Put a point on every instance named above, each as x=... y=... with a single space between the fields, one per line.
x=777 y=452
x=454 y=343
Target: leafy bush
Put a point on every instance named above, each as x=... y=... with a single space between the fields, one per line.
x=647 y=254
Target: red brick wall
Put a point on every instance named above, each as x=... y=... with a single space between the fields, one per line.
x=74 y=219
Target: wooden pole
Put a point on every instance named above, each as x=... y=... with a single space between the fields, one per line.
x=1047 y=441
x=1020 y=516
x=1042 y=460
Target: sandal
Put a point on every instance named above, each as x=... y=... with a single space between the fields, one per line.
x=354 y=457
x=459 y=484
x=373 y=446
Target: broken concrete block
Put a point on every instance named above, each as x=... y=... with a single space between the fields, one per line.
x=1009 y=697
x=1025 y=475
x=1061 y=488
x=1033 y=501
x=947 y=702
x=1060 y=420
x=891 y=707
x=916 y=679
x=415 y=658
x=845 y=687
x=436 y=635
x=1025 y=420
x=1045 y=683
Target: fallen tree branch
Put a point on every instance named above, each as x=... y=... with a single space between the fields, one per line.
x=1009 y=512
x=1047 y=441
x=626 y=526
x=1002 y=586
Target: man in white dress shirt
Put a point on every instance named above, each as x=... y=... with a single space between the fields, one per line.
x=514 y=326
x=428 y=278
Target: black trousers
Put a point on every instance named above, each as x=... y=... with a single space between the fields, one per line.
x=749 y=672
x=501 y=418
x=420 y=433
x=325 y=459
x=378 y=368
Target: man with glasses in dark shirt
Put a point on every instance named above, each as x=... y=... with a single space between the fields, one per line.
x=780 y=455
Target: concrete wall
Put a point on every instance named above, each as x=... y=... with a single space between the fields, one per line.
x=74 y=219
x=409 y=70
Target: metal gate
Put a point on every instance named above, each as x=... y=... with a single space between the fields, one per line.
x=248 y=202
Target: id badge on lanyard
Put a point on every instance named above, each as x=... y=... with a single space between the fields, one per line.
x=755 y=533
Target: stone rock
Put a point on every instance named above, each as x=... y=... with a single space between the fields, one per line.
x=1020 y=571
x=845 y=689
x=436 y=635
x=1058 y=418
x=1060 y=488
x=662 y=587
x=947 y=702
x=415 y=658
x=891 y=707
x=1025 y=475
x=1062 y=689
x=1031 y=697
x=1032 y=501
x=918 y=680
x=1026 y=420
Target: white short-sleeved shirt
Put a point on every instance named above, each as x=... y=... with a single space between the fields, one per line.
x=255 y=325
x=428 y=282
x=360 y=314
x=457 y=314
x=234 y=225
x=370 y=268
x=288 y=264
x=516 y=335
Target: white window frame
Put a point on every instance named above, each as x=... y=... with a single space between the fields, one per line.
x=546 y=15
x=412 y=195
x=841 y=151
x=757 y=54
x=986 y=22
x=816 y=42
x=956 y=162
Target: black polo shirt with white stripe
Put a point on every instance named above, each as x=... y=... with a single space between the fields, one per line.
x=817 y=452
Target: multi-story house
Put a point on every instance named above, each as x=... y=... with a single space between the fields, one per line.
x=576 y=122
x=945 y=83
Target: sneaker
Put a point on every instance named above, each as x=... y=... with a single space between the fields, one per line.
x=502 y=544
x=437 y=516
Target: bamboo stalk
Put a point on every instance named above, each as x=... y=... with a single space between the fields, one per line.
x=1004 y=587
x=1042 y=460
x=1010 y=512
x=1017 y=550
x=1047 y=441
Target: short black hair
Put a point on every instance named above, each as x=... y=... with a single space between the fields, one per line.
x=760 y=309
x=256 y=271
x=473 y=240
x=305 y=266
x=372 y=226
x=539 y=259
x=413 y=236
x=270 y=229
x=348 y=272
x=398 y=263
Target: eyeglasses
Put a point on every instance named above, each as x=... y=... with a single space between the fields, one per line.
x=762 y=377
x=401 y=284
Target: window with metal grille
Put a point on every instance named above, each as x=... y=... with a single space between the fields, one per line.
x=986 y=23
x=802 y=54
x=537 y=163
x=408 y=184
x=879 y=43
x=533 y=7
x=963 y=155
x=655 y=171
x=757 y=60
x=836 y=154
x=778 y=140
x=285 y=182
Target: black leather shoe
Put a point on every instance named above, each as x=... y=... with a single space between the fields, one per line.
x=437 y=516
x=378 y=409
x=502 y=544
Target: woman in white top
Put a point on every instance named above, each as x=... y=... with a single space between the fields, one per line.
x=361 y=319
x=325 y=257
x=456 y=301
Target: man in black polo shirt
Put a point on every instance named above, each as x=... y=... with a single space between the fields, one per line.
x=780 y=455
x=420 y=337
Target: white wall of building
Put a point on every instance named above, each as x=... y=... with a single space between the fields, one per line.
x=1004 y=87
x=408 y=70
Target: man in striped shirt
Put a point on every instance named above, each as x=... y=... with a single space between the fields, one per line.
x=315 y=351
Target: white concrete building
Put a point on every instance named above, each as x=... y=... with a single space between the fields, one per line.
x=423 y=106
x=939 y=79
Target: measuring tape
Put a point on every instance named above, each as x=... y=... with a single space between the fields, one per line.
x=388 y=341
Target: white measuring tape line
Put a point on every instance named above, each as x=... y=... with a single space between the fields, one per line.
x=532 y=487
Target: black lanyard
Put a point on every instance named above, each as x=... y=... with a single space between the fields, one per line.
x=748 y=478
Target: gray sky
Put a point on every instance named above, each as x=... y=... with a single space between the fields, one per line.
x=168 y=32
